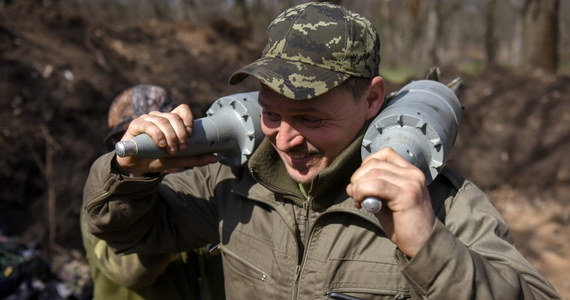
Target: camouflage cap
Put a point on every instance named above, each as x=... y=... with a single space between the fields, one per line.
x=135 y=102
x=314 y=47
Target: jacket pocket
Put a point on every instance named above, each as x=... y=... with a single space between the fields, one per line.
x=356 y=294
x=242 y=267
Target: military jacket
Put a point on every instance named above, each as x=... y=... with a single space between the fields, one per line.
x=249 y=211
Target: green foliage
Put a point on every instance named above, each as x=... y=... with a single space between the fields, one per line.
x=564 y=67
x=399 y=74
x=473 y=68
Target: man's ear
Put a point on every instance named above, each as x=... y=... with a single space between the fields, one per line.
x=375 y=96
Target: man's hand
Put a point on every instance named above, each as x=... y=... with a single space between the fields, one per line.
x=406 y=216
x=169 y=131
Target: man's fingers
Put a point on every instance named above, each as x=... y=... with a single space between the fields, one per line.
x=375 y=168
x=186 y=116
x=389 y=155
x=161 y=131
x=169 y=130
x=386 y=164
x=385 y=175
x=384 y=186
x=174 y=129
x=144 y=125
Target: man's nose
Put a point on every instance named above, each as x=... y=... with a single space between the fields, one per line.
x=288 y=137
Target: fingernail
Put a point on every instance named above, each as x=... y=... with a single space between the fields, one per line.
x=182 y=147
x=172 y=149
x=162 y=143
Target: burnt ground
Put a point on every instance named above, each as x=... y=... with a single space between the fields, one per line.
x=58 y=75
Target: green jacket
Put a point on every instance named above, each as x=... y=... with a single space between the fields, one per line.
x=137 y=276
x=253 y=212
x=185 y=275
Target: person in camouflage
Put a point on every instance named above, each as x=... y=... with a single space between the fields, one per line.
x=288 y=222
x=299 y=64
x=177 y=275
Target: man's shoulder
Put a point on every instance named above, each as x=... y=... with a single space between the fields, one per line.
x=453 y=178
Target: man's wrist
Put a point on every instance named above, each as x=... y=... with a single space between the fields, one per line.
x=118 y=169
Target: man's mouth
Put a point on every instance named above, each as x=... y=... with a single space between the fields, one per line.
x=297 y=155
x=302 y=159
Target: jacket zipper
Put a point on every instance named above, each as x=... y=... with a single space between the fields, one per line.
x=308 y=231
x=279 y=210
x=307 y=206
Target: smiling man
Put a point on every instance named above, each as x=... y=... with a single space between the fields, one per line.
x=289 y=223
x=309 y=135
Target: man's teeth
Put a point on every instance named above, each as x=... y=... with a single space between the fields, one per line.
x=298 y=155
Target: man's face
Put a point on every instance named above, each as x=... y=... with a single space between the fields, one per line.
x=310 y=134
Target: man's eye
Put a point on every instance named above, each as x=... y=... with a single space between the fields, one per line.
x=310 y=121
x=271 y=116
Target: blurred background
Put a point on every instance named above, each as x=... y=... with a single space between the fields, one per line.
x=62 y=63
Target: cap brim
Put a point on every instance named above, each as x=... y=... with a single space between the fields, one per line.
x=292 y=79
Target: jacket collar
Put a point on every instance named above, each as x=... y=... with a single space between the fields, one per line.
x=327 y=188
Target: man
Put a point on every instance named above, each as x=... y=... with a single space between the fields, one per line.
x=175 y=275
x=289 y=223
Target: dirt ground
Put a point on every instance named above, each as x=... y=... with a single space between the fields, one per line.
x=58 y=74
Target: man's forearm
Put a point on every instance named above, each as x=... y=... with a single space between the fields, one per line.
x=118 y=207
x=447 y=269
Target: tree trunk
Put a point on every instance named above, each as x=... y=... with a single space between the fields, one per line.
x=245 y=16
x=431 y=31
x=490 y=40
x=540 y=49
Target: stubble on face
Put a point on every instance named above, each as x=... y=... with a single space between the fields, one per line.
x=308 y=136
